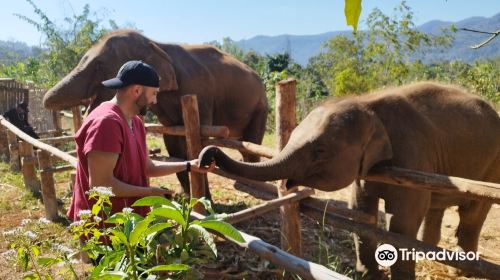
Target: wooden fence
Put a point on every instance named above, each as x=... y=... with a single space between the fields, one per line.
x=291 y=203
x=11 y=93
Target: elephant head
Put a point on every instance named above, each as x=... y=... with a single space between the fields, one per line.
x=335 y=144
x=102 y=61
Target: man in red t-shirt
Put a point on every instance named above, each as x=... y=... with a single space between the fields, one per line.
x=111 y=144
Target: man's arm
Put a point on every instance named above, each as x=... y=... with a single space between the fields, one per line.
x=160 y=168
x=101 y=166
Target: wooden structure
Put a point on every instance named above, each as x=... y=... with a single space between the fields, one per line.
x=289 y=203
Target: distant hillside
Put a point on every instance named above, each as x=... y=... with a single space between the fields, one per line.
x=12 y=51
x=303 y=47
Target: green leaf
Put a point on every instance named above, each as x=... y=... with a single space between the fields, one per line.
x=120 y=235
x=36 y=250
x=169 y=213
x=46 y=262
x=156 y=228
x=112 y=275
x=192 y=202
x=118 y=218
x=169 y=267
x=22 y=257
x=352 y=11
x=226 y=229
x=96 y=208
x=138 y=231
x=207 y=204
x=205 y=235
x=153 y=201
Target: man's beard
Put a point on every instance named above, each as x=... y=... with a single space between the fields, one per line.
x=143 y=111
x=141 y=103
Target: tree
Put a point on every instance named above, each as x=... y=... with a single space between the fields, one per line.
x=378 y=57
x=63 y=46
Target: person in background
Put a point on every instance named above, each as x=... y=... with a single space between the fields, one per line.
x=18 y=116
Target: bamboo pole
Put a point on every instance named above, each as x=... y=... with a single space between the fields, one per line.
x=48 y=188
x=77 y=118
x=28 y=162
x=206 y=130
x=191 y=118
x=289 y=262
x=242 y=146
x=285 y=123
x=40 y=145
x=436 y=183
x=15 y=163
x=269 y=206
x=481 y=266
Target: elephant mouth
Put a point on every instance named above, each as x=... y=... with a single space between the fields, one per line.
x=291 y=183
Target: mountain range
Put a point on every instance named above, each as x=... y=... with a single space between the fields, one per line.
x=303 y=47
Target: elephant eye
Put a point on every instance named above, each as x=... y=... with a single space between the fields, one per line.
x=318 y=152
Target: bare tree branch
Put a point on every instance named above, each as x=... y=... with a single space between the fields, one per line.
x=493 y=35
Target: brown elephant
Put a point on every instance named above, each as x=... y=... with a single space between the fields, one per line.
x=424 y=126
x=229 y=92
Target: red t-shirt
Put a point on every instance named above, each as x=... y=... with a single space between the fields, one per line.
x=105 y=129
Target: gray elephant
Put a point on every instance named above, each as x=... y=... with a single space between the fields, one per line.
x=424 y=126
x=229 y=92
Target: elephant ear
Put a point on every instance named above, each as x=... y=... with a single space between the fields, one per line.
x=378 y=147
x=163 y=64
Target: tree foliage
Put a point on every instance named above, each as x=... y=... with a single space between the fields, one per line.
x=63 y=46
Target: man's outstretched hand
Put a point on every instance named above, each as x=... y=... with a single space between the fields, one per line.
x=195 y=167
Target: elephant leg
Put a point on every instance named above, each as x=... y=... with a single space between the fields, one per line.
x=408 y=209
x=472 y=216
x=365 y=246
x=254 y=132
x=431 y=228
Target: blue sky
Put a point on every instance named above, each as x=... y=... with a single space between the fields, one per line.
x=198 y=21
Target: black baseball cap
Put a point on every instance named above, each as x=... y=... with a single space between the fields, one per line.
x=134 y=72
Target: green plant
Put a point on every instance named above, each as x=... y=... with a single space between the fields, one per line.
x=166 y=241
x=35 y=254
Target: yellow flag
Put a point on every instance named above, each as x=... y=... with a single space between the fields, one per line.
x=352 y=11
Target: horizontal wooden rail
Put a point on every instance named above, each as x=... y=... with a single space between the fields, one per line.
x=206 y=130
x=436 y=183
x=291 y=263
x=268 y=206
x=242 y=146
x=482 y=267
x=269 y=191
x=56 y=140
x=40 y=145
x=59 y=169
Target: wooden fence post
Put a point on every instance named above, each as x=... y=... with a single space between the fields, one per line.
x=4 y=145
x=285 y=123
x=191 y=118
x=77 y=118
x=56 y=120
x=28 y=162
x=15 y=164
x=48 y=189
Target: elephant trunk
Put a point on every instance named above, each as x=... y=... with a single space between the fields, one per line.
x=68 y=92
x=279 y=167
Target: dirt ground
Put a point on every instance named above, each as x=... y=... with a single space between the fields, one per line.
x=321 y=244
